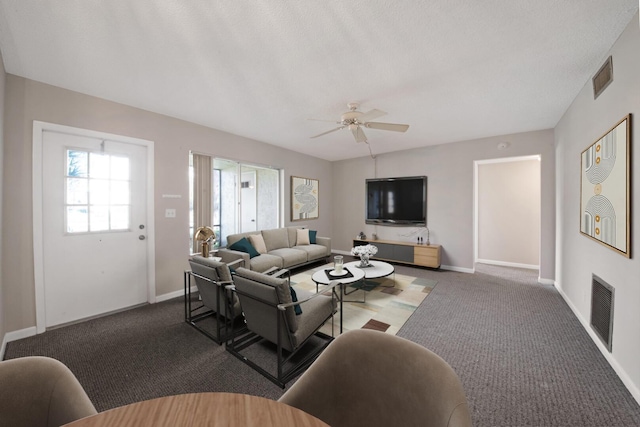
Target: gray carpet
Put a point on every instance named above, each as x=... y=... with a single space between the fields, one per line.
x=522 y=356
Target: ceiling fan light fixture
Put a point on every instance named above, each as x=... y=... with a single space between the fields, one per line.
x=353 y=127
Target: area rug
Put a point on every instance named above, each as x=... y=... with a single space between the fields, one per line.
x=389 y=301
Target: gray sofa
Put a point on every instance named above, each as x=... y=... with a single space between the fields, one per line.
x=282 y=250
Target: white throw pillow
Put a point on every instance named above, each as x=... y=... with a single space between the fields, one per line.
x=302 y=237
x=258 y=242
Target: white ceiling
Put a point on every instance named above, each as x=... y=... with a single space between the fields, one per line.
x=452 y=69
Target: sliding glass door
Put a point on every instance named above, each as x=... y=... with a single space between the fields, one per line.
x=241 y=197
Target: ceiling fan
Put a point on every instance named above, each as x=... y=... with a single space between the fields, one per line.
x=355 y=120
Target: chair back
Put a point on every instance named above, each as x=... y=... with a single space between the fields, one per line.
x=259 y=296
x=40 y=391
x=217 y=272
x=370 y=378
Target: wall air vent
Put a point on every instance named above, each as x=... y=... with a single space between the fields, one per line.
x=603 y=77
x=602 y=310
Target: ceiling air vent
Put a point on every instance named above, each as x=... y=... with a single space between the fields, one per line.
x=602 y=310
x=603 y=77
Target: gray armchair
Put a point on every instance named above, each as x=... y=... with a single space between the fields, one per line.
x=40 y=392
x=270 y=315
x=212 y=279
x=369 y=378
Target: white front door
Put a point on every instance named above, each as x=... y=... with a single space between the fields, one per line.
x=94 y=226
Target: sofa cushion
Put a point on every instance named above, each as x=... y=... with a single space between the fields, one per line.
x=258 y=242
x=312 y=236
x=265 y=262
x=314 y=252
x=290 y=257
x=302 y=237
x=276 y=238
x=292 y=232
x=243 y=245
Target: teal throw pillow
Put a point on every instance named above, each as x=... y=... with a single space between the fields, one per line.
x=243 y=245
x=294 y=298
x=312 y=236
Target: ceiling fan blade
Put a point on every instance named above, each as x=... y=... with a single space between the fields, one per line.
x=359 y=135
x=387 y=126
x=329 y=131
x=370 y=115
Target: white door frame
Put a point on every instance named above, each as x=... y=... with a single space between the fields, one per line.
x=476 y=225
x=38 y=227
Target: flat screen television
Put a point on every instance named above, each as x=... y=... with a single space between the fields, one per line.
x=397 y=201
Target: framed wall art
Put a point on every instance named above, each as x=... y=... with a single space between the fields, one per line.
x=604 y=189
x=304 y=198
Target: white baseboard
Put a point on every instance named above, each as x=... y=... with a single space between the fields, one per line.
x=16 y=335
x=508 y=264
x=174 y=294
x=546 y=281
x=624 y=377
x=458 y=269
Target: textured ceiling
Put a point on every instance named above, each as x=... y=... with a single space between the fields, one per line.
x=451 y=69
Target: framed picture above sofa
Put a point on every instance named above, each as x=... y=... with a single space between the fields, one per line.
x=604 y=189
x=305 y=202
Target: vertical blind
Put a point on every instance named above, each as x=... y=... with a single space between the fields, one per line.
x=202 y=183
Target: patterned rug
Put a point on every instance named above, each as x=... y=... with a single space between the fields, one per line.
x=390 y=301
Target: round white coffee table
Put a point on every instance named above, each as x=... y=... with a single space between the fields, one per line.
x=377 y=270
x=321 y=277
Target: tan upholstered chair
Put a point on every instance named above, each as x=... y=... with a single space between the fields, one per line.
x=40 y=392
x=212 y=279
x=369 y=378
x=270 y=314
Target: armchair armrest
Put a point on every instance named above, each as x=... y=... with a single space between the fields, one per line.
x=278 y=272
x=230 y=256
x=222 y=283
x=236 y=262
x=331 y=287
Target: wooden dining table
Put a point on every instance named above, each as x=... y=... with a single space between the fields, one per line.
x=202 y=409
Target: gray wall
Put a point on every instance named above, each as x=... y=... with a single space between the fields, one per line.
x=509 y=212
x=578 y=257
x=3 y=77
x=449 y=168
x=27 y=100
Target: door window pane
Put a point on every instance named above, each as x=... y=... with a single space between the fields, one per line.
x=98 y=192
x=98 y=218
x=77 y=191
x=99 y=165
x=77 y=219
x=77 y=163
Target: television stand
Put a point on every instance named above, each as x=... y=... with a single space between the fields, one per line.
x=404 y=252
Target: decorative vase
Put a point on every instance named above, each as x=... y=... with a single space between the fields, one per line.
x=364 y=260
